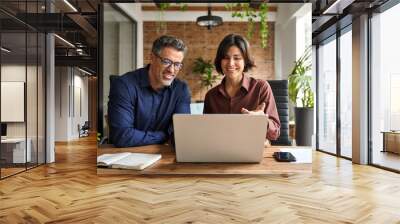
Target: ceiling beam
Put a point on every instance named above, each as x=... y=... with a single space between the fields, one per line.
x=198 y=8
x=337 y=7
x=85 y=61
x=84 y=24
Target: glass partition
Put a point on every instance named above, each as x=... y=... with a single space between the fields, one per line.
x=13 y=94
x=346 y=93
x=31 y=98
x=22 y=79
x=119 y=49
x=385 y=89
x=41 y=96
x=327 y=97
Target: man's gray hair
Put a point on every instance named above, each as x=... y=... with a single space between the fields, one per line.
x=168 y=41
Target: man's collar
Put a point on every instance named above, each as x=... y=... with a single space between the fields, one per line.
x=144 y=77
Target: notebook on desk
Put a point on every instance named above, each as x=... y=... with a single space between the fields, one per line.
x=234 y=138
x=127 y=160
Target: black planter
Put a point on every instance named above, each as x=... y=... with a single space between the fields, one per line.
x=304 y=117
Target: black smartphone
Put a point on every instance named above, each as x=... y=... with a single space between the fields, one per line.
x=284 y=157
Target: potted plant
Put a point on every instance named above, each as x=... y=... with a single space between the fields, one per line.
x=302 y=97
x=205 y=69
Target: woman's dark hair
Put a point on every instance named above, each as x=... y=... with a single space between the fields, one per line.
x=238 y=41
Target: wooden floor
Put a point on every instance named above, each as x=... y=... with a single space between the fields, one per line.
x=69 y=191
x=5 y=172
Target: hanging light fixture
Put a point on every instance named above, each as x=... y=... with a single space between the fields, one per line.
x=209 y=21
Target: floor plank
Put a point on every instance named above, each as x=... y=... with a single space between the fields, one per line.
x=69 y=191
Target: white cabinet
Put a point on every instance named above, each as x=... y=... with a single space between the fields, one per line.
x=16 y=147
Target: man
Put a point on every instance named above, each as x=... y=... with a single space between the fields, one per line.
x=142 y=102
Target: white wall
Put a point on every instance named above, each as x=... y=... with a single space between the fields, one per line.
x=70 y=84
x=290 y=36
x=33 y=126
x=61 y=103
x=135 y=11
x=12 y=73
x=81 y=109
x=126 y=49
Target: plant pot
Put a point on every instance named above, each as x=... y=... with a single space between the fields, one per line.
x=304 y=117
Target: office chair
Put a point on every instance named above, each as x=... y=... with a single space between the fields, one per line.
x=84 y=129
x=105 y=139
x=281 y=95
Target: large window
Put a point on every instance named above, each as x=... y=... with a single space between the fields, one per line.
x=335 y=60
x=327 y=96
x=385 y=84
x=346 y=93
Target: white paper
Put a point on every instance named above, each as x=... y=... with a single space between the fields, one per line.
x=303 y=155
x=108 y=159
x=136 y=161
x=127 y=160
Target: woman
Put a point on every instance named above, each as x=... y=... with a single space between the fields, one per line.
x=238 y=92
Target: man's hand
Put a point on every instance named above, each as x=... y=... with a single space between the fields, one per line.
x=258 y=111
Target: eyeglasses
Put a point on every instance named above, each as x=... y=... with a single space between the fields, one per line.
x=166 y=62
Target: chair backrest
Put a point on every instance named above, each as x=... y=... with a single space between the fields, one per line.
x=105 y=139
x=281 y=95
x=86 y=126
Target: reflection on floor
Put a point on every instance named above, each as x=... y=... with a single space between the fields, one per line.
x=386 y=159
x=8 y=169
x=5 y=172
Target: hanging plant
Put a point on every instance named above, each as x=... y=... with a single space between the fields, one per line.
x=182 y=6
x=161 y=24
x=252 y=14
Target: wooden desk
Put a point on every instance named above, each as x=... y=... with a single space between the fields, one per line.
x=391 y=141
x=168 y=165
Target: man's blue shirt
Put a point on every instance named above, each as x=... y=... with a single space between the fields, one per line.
x=139 y=115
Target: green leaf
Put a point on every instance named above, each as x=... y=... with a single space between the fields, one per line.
x=205 y=70
x=300 y=82
x=244 y=11
x=183 y=6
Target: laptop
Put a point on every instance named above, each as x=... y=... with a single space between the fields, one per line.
x=230 y=138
